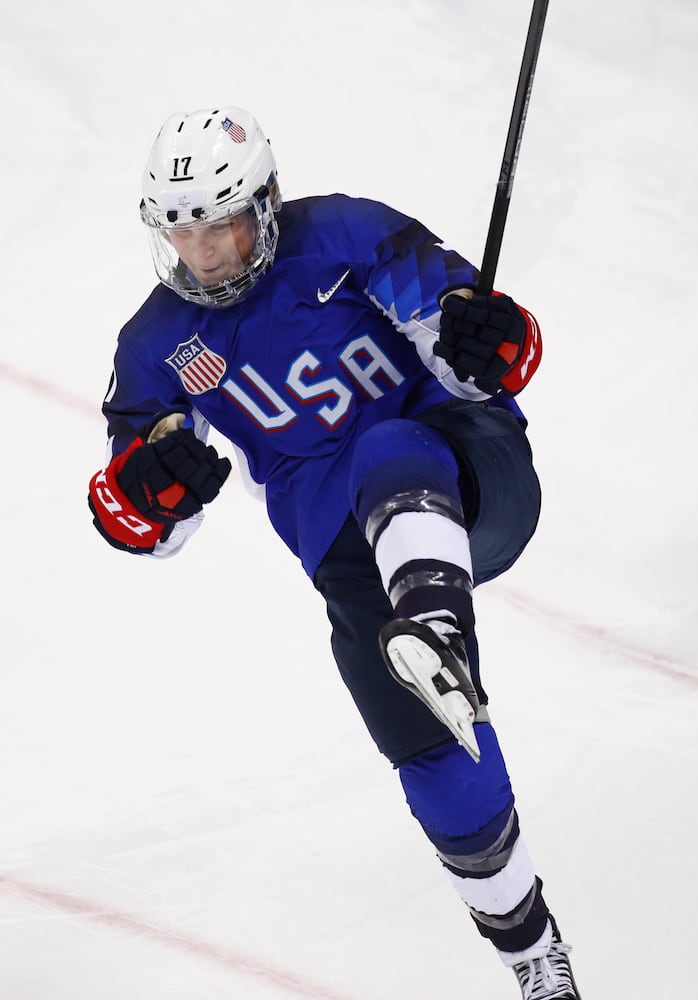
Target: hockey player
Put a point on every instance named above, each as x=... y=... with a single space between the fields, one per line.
x=368 y=394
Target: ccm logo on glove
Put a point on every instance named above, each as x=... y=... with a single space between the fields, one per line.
x=489 y=339
x=140 y=496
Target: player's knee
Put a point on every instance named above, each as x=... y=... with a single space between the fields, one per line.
x=419 y=460
x=466 y=809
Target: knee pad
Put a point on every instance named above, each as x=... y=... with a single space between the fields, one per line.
x=399 y=457
x=466 y=809
x=405 y=497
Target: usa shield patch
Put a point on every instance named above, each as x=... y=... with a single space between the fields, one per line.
x=199 y=368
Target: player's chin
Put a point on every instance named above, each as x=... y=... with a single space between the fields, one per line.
x=211 y=275
x=215 y=275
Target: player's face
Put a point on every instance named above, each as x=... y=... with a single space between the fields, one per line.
x=218 y=250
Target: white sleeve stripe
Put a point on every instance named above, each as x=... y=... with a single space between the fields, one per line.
x=424 y=333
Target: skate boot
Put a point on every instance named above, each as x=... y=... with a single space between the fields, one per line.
x=549 y=977
x=435 y=668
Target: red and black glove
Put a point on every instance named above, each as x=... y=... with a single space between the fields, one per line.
x=142 y=493
x=490 y=339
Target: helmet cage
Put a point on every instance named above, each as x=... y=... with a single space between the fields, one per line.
x=172 y=270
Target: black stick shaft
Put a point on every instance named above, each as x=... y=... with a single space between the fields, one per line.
x=505 y=183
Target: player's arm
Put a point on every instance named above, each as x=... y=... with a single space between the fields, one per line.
x=156 y=486
x=419 y=283
x=488 y=339
x=411 y=275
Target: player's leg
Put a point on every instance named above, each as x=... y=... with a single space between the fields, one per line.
x=410 y=506
x=466 y=809
x=407 y=497
x=487 y=860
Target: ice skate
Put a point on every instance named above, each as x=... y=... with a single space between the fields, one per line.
x=549 y=977
x=436 y=670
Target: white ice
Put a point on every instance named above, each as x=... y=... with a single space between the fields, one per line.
x=191 y=809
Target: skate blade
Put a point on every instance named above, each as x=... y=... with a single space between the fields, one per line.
x=415 y=665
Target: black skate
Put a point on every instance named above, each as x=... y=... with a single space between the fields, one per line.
x=550 y=977
x=436 y=670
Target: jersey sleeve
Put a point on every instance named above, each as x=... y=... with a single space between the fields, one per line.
x=405 y=268
x=135 y=396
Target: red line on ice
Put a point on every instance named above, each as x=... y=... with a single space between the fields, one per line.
x=669 y=666
x=236 y=961
x=49 y=391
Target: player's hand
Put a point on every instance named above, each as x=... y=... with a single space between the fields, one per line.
x=173 y=477
x=488 y=338
x=156 y=482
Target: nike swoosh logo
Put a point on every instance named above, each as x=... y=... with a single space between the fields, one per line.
x=325 y=296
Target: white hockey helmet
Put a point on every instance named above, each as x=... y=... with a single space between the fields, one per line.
x=205 y=168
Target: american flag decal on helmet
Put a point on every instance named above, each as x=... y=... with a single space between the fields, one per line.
x=199 y=368
x=235 y=131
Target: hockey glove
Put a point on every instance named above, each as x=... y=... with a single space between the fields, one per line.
x=488 y=338
x=142 y=493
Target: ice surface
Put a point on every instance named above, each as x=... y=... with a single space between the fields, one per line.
x=191 y=808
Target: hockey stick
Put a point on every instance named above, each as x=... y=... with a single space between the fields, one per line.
x=505 y=183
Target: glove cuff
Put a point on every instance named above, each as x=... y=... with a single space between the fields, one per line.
x=115 y=516
x=529 y=357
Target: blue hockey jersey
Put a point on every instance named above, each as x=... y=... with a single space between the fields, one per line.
x=336 y=336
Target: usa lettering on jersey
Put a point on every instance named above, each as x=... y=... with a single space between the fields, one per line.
x=367 y=366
